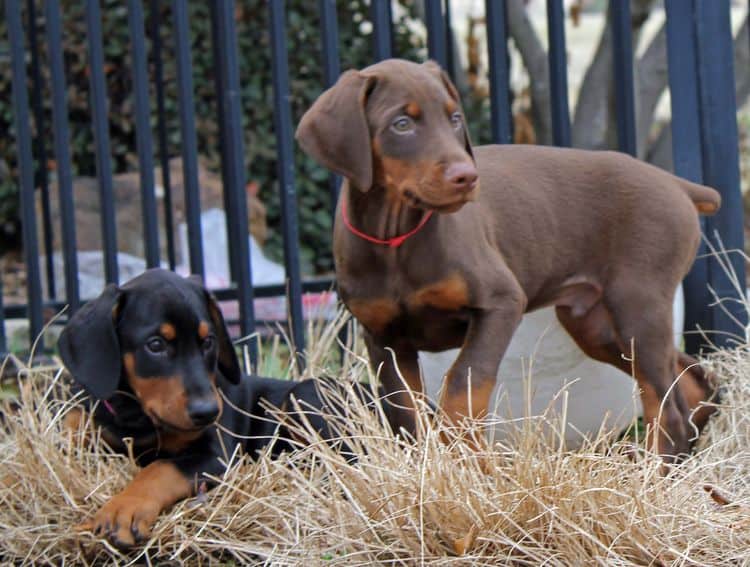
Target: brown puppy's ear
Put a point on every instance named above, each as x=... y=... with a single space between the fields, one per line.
x=334 y=130
x=434 y=68
x=228 y=363
x=89 y=346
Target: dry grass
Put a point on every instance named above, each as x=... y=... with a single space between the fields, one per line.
x=525 y=501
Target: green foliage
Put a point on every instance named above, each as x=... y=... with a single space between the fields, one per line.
x=251 y=16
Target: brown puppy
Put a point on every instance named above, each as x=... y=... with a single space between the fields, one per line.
x=603 y=237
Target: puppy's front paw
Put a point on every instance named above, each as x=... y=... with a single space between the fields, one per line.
x=124 y=520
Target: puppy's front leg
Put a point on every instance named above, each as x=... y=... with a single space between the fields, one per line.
x=395 y=376
x=471 y=379
x=129 y=515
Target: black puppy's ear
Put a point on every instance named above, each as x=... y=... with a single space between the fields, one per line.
x=334 y=130
x=197 y=280
x=434 y=68
x=89 y=346
x=228 y=363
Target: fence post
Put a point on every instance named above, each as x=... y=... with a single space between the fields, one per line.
x=233 y=165
x=26 y=168
x=187 y=129
x=435 y=31
x=285 y=167
x=558 y=70
x=329 y=39
x=101 y=139
x=622 y=51
x=380 y=12
x=686 y=152
x=144 y=144
x=41 y=179
x=497 y=46
x=721 y=167
x=53 y=19
x=161 y=127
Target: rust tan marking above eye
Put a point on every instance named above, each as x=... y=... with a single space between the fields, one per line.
x=451 y=107
x=375 y=314
x=412 y=110
x=203 y=329
x=450 y=294
x=168 y=331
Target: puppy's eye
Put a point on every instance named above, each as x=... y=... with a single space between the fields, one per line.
x=402 y=125
x=456 y=120
x=156 y=345
x=208 y=343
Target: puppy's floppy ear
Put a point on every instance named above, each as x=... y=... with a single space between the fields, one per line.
x=435 y=69
x=89 y=346
x=334 y=130
x=228 y=363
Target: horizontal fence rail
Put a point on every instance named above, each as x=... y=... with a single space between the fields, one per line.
x=705 y=150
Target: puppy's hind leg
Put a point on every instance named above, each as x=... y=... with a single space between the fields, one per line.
x=643 y=323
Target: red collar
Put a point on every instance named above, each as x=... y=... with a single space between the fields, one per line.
x=394 y=242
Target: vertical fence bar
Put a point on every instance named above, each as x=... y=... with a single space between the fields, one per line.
x=3 y=341
x=53 y=19
x=329 y=30
x=686 y=152
x=497 y=46
x=187 y=129
x=144 y=144
x=622 y=52
x=41 y=179
x=380 y=12
x=101 y=138
x=217 y=52
x=433 y=10
x=558 y=71
x=25 y=166
x=450 y=55
x=233 y=164
x=285 y=161
x=161 y=126
x=721 y=165
x=329 y=38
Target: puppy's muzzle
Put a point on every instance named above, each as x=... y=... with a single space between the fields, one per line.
x=461 y=177
x=203 y=411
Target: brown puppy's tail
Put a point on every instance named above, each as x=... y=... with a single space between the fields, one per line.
x=706 y=200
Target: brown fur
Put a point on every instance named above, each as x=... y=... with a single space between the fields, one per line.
x=129 y=515
x=600 y=235
x=163 y=398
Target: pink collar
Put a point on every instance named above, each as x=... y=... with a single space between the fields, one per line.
x=109 y=407
x=394 y=242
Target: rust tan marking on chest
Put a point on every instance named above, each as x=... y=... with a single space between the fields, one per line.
x=177 y=441
x=450 y=294
x=375 y=314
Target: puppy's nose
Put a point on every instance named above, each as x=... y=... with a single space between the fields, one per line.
x=462 y=176
x=203 y=411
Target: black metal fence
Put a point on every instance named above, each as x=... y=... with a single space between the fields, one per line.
x=705 y=146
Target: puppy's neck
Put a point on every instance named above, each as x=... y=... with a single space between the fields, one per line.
x=379 y=213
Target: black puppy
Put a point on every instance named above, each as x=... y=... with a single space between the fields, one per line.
x=156 y=352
